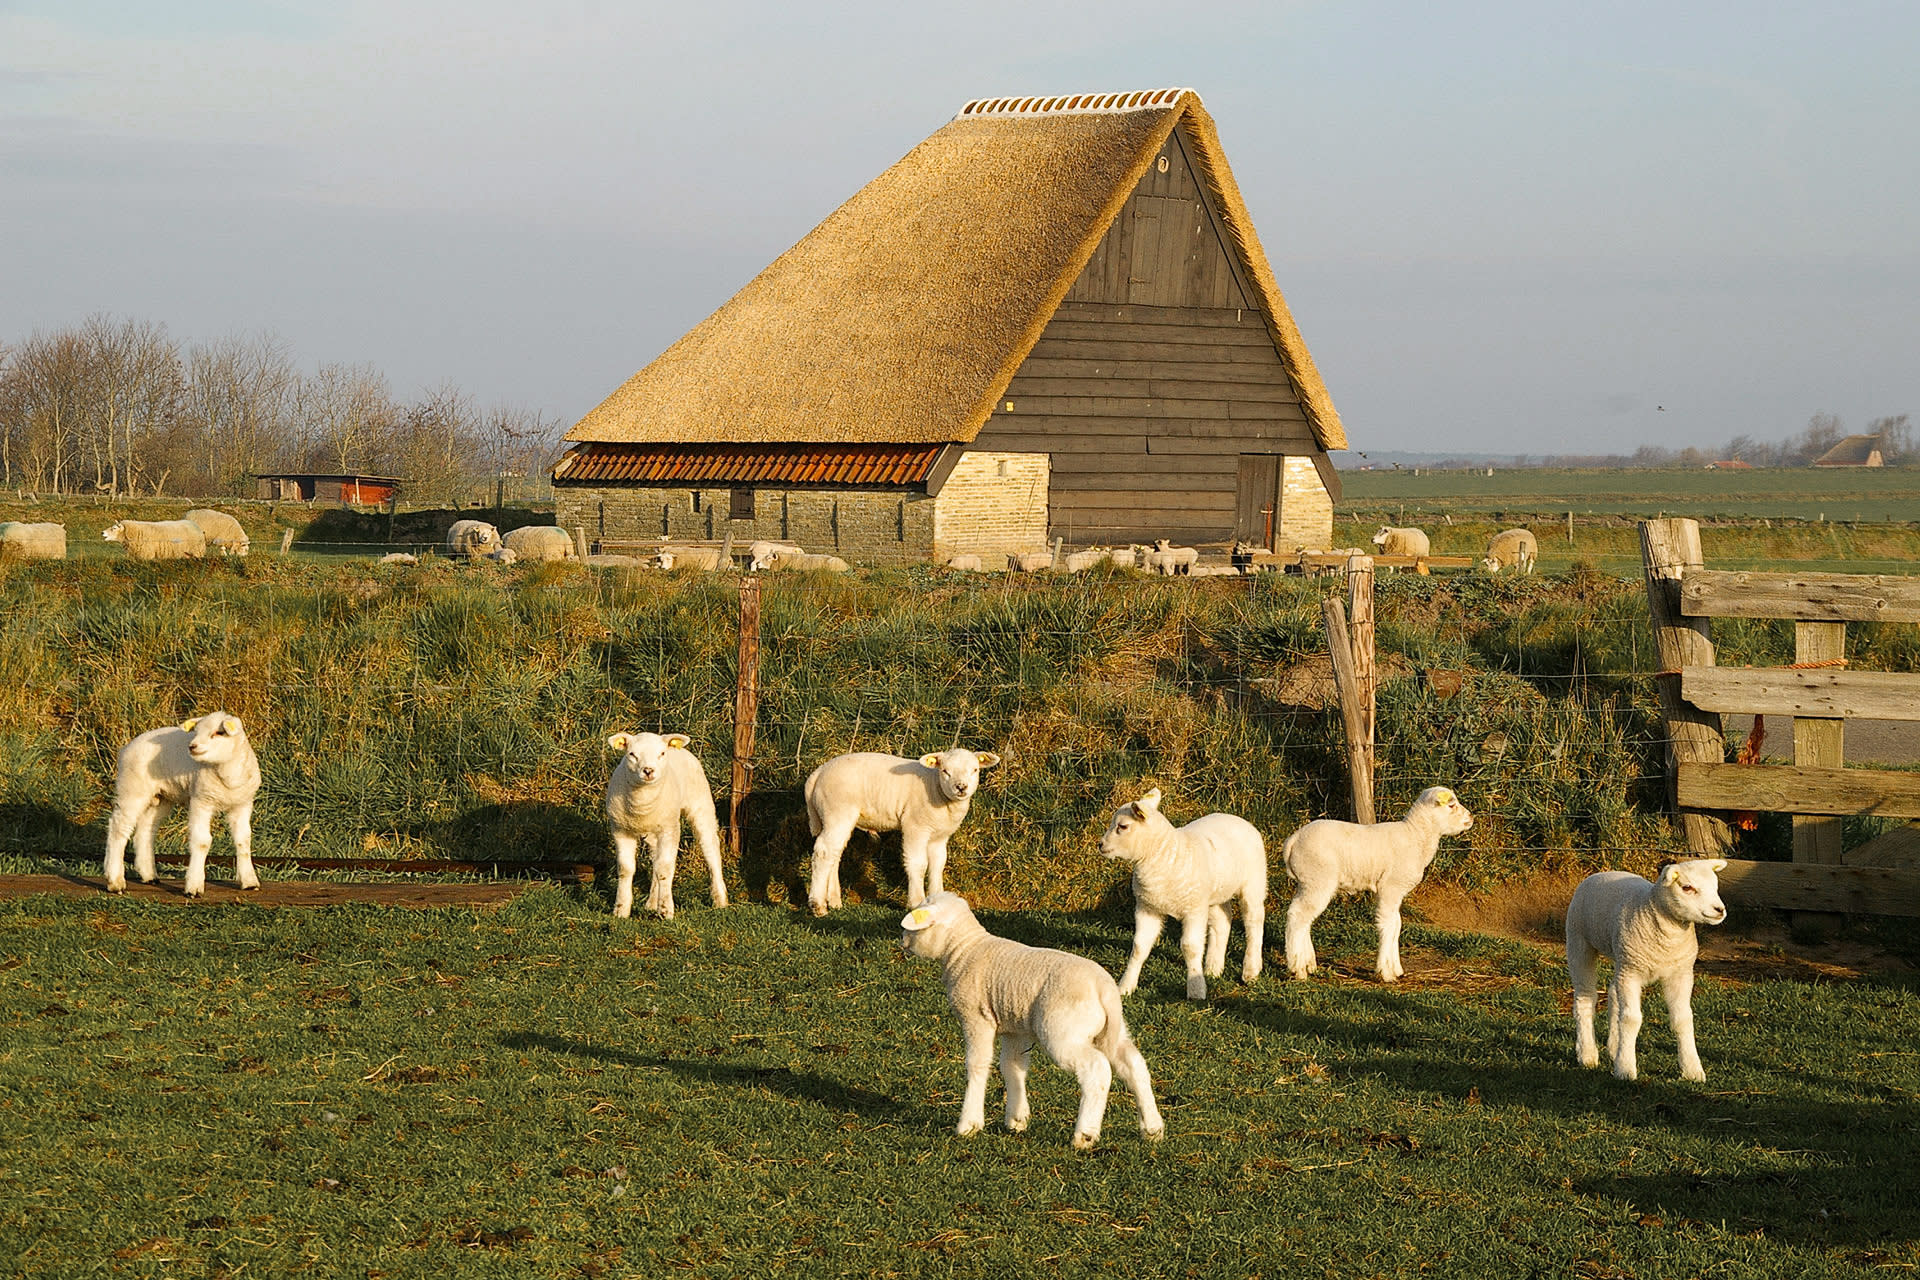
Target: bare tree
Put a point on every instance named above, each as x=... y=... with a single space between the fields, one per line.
x=345 y=417
x=1896 y=439
x=240 y=399
x=44 y=404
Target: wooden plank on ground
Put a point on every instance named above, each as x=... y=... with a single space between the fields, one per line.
x=1811 y=597
x=1783 y=788
x=1812 y=886
x=1829 y=692
x=285 y=893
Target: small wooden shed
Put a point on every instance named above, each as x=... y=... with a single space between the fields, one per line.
x=347 y=490
x=1051 y=319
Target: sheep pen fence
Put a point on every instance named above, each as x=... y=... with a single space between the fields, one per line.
x=447 y=713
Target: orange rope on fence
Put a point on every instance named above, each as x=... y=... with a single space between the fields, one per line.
x=1810 y=666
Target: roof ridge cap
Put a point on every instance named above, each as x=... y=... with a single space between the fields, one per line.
x=1076 y=104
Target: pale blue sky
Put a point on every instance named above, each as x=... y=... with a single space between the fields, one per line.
x=1510 y=227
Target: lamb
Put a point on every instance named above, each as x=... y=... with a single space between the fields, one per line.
x=925 y=800
x=223 y=533
x=1081 y=561
x=1511 y=549
x=158 y=539
x=1647 y=929
x=399 y=557
x=657 y=783
x=964 y=564
x=540 y=542
x=1024 y=994
x=1168 y=560
x=802 y=562
x=22 y=541
x=1392 y=541
x=1029 y=562
x=206 y=763
x=762 y=553
x=679 y=556
x=1190 y=873
x=502 y=555
x=1387 y=859
x=472 y=538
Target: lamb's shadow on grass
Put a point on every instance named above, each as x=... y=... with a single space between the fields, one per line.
x=46 y=829
x=521 y=831
x=801 y=1086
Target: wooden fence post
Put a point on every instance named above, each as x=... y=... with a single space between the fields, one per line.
x=1668 y=548
x=1360 y=632
x=286 y=541
x=746 y=706
x=1346 y=683
x=1817 y=744
x=580 y=542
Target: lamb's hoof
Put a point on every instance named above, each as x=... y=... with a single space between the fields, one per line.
x=1016 y=1124
x=117 y=886
x=1085 y=1141
x=1697 y=1075
x=1248 y=975
x=250 y=884
x=967 y=1128
x=1154 y=1134
x=816 y=906
x=1588 y=1060
x=1628 y=1073
x=193 y=892
x=720 y=903
x=622 y=913
x=1196 y=988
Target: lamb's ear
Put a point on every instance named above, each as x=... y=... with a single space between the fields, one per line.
x=917 y=919
x=619 y=741
x=1151 y=800
x=1716 y=864
x=233 y=724
x=987 y=759
x=678 y=740
x=932 y=761
x=1670 y=874
x=186 y=726
x=1443 y=796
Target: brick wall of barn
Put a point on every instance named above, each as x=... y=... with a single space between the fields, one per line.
x=864 y=526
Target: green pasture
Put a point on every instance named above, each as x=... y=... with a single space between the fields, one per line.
x=546 y=1091
x=1869 y=495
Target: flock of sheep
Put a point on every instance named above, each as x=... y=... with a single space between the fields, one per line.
x=200 y=532
x=1000 y=989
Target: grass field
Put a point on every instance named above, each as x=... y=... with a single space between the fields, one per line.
x=545 y=1091
x=1852 y=494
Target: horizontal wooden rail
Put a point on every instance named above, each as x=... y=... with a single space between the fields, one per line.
x=1799 y=789
x=1826 y=693
x=1807 y=597
x=1813 y=886
x=559 y=870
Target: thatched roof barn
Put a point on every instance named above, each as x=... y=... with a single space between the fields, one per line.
x=1052 y=318
x=1853 y=451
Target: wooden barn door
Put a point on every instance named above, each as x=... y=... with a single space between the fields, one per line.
x=1256 y=510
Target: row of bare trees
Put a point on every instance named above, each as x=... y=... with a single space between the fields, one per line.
x=117 y=406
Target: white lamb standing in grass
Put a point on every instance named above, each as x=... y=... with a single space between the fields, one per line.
x=925 y=800
x=656 y=784
x=222 y=532
x=158 y=539
x=1386 y=859
x=1394 y=541
x=1168 y=560
x=1646 y=927
x=21 y=540
x=208 y=765
x=472 y=538
x=1511 y=549
x=1026 y=995
x=540 y=542
x=1190 y=873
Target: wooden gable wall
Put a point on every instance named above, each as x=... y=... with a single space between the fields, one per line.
x=1153 y=378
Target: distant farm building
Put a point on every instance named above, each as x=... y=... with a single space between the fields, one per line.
x=1730 y=464
x=1051 y=319
x=348 y=490
x=1854 y=451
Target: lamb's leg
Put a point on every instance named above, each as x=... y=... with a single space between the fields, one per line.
x=973 y=1104
x=1217 y=926
x=936 y=865
x=823 y=889
x=706 y=830
x=1678 y=989
x=1193 y=936
x=1146 y=932
x=199 y=842
x=1132 y=1070
x=1583 y=966
x=665 y=847
x=1096 y=1081
x=240 y=827
x=1624 y=992
x=121 y=824
x=914 y=855
x=144 y=825
x=1308 y=903
x=1016 y=1053
x=1386 y=916
x=626 y=859
x=1253 y=913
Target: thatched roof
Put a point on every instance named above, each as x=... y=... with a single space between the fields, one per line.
x=903 y=316
x=1851 y=451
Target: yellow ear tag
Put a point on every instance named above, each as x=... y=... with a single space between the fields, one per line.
x=917 y=919
x=233 y=726
x=1443 y=796
x=187 y=726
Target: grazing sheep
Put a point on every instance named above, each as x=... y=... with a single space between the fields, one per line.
x=22 y=541
x=399 y=557
x=925 y=800
x=158 y=539
x=206 y=763
x=1190 y=873
x=657 y=783
x=1166 y=559
x=965 y=564
x=1393 y=541
x=762 y=553
x=1029 y=562
x=540 y=542
x=223 y=533
x=1387 y=859
x=679 y=556
x=472 y=538
x=1511 y=549
x=1023 y=995
x=802 y=562
x=1647 y=929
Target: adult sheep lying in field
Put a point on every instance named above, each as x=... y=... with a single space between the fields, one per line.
x=656 y=784
x=1387 y=860
x=206 y=764
x=762 y=552
x=540 y=542
x=1190 y=873
x=1646 y=927
x=158 y=539
x=806 y=562
x=472 y=539
x=1511 y=549
x=1394 y=541
x=681 y=556
x=1026 y=995
x=925 y=800
x=39 y=541
x=222 y=532
x=964 y=564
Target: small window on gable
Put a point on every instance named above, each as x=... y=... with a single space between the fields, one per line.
x=741 y=505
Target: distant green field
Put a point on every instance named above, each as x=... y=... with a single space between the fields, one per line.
x=1873 y=495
